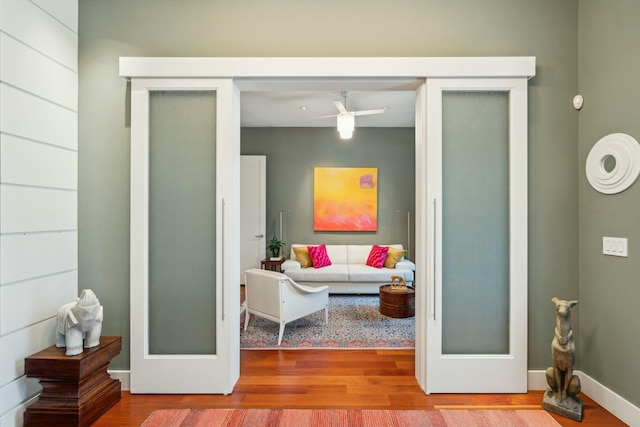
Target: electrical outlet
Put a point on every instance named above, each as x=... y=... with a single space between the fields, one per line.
x=614 y=246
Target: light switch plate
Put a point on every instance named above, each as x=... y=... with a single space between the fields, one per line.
x=615 y=246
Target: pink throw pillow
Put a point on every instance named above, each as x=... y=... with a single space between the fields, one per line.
x=377 y=256
x=319 y=256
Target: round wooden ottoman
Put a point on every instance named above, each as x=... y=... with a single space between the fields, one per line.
x=397 y=303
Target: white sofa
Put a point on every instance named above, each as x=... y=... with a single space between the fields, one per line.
x=348 y=272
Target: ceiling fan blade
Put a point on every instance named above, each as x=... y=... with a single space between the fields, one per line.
x=324 y=117
x=368 y=112
x=340 y=107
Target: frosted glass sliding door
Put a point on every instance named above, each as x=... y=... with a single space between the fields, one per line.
x=475 y=222
x=185 y=173
x=477 y=195
x=182 y=219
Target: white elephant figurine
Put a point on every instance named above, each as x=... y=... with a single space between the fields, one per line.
x=78 y=320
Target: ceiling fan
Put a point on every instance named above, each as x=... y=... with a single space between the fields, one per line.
x=346 y=119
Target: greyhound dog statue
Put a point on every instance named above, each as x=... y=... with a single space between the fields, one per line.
x=564 y=384
x=563 y=353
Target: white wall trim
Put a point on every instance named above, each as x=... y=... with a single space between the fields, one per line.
x=123 y=376
x=603 y=396
x=537 y=380
x=15 y=417
x=328 y=67
x=611 y=401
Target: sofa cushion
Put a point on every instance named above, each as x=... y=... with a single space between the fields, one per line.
x=290 y=264
x=319 y=256
x=337 y=254
x=405 y=264
x=358 y=254
x=330 y=273
x=302 y=255
x=365 y=273
x=377 y=256
x=393 y=256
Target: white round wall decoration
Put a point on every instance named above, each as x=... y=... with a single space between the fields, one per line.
x=613 y=164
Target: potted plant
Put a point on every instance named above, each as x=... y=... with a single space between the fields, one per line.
x=274 y=245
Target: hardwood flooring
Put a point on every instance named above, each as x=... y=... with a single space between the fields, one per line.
x=340 y=379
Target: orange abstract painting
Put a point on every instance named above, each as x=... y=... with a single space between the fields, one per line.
x=345 y=199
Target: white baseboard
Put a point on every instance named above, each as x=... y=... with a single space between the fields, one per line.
x=124 y=377
x=612 y=402
x=537 y=380
x=609 y=400
x=15 y=417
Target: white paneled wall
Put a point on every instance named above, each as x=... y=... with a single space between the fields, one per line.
x=38 y=185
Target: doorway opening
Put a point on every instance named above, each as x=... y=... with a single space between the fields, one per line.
x=294 y=126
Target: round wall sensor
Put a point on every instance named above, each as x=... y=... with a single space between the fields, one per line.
x=578 y=101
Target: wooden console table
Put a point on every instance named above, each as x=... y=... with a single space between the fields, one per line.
x=76 y=390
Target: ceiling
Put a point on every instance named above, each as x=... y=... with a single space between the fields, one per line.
x=299 y=108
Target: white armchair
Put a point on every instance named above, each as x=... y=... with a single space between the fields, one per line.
x=276 y=297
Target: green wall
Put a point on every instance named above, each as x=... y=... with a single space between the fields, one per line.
x=609 y=80
x=292 y=153
x=546 y=29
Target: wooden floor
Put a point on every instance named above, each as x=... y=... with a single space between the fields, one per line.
x=340 y=379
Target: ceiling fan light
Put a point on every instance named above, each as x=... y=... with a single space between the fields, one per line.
x=346 y=124
x=346 y=135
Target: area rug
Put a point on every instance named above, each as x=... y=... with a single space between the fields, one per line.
x=347 y=418
x=354 y=322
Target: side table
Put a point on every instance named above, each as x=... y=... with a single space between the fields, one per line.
x=273 y=265
x=397 y=304
x=76 y=390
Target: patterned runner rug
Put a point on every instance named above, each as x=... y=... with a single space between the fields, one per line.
x=347 y=418
x=354 y=322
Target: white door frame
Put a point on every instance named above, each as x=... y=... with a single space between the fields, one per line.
x=400 y=73
x=255 y=238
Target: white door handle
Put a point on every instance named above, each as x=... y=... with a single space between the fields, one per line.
x=435 y=259
x=222 y=254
